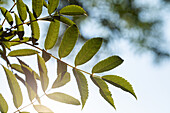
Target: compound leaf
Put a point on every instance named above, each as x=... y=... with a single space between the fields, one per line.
x=72 y=10
x=107 y=64
x=64 y=98
x=20 y=27
x=15 y=88
x=3 y=104
x=42 y=109
x=82 y=85
x=88 y=50
x=37 y=7
x=120 y=83
x=69 y=40
x=22 y=10
x=22 y=52
x=43 y=73
x=52 y=5
x=103 y=88
x=52 y=34
x=62 y=79
x=7 y=15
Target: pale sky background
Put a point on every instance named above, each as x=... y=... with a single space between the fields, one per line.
x=151 y=82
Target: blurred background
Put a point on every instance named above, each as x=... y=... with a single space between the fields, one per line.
x=137 y=31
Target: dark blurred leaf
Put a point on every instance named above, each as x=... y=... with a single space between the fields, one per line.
x=22 y=52
x=7 y=15
x=14 y=87
x=61 y=67
x=64 y=98
x=43 y=73
x=104 y=91
x=3 y=104
x=69 y=40
x=82 y=85
x=120 y=83
x=20 y=79
x=107 y=64
x=89 y=49
x=72 y=10
x=45 y=56
x=21 y=7
x=62 y=79
x=52 y=34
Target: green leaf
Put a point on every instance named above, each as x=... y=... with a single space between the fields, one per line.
x=61 y=67
x=3 y=104
x=62 y=79
x=82 y=85
x=22 y=52
x=31 y=83
x=46 y=56
x=20 y=79
x=7 y=15
x=10 y=35
x=34 y=26
x=89 y=49
x=63 y=19
x=43 y=73
x=64 y=98
x=52 y=5
x=42 y=109
x=22 y=10
x=24 y=112
x=19 y=69
x=45 y=4
x=18 y=41
x=15 y=88
x=52 y=34
x=37 y=7
x=69 y=40
x=7 y=44
x=73 y=10
x=107 y=64
x=120 y=83
x=20 y=27
x=103 y=88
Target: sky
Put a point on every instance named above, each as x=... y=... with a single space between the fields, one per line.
x=149 y=80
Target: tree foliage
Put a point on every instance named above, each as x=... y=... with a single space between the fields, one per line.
x=14 y=36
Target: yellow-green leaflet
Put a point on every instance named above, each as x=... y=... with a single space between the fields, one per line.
x=13 y=43
x=22 y=52
x=62 y=79
x=20 y=27
x=52 y=34
x=82 y=86
x=34 y=26
x=43 y=73
x=15 y=88
x=107 y=64
x=103 y=88
x=89 y=49
x=22 y=10
x=120 y=83
x=45 y=4
x=64 y=98
x=42 y=109
x=52 y=5
x=3 y=104
x=7 y=15
x=69 y=40
x=37 y=7
x=72 y=10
